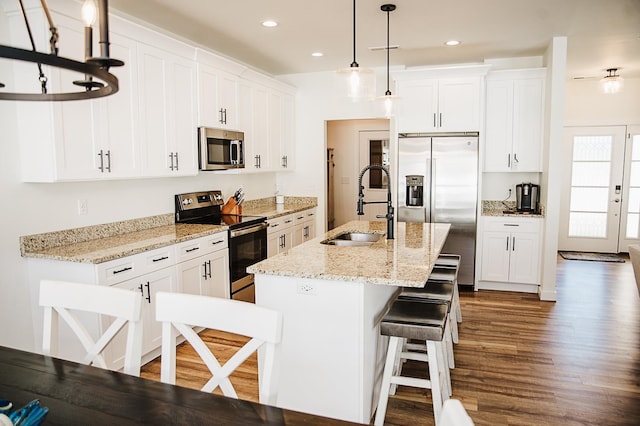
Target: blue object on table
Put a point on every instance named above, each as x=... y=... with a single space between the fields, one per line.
x=31 y=414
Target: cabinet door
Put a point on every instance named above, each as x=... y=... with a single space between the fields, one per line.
x=274 y=241
x=167 y=98
x=499 y=126
x=420 y=104
x=287 y=141
x=261 y=141
x=458 y=105
x=216 y=283
x=147 y=286
x=496 y=248
x=528 y=122
x=217 y=98
x=275 y=129
x=525 y=255
x=191 y=275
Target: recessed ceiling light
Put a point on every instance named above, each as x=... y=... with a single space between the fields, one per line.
x=269 y=24
x=452 y=42
x=317 y=54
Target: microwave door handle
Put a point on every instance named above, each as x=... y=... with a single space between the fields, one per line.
x=235 y=152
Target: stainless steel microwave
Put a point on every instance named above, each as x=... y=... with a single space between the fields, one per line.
x=220 y=149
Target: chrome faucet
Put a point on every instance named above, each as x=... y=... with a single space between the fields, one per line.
x=362 y=202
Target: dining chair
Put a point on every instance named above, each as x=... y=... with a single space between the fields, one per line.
x=62 y=299
x=180 y=312
x=454 y=414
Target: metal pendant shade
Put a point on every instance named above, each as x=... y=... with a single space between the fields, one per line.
x=92 y=68
x=356 y=82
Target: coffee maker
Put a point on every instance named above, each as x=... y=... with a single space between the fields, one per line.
x=527 y=197
x=414 y=191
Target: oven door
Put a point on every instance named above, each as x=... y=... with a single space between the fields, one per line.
x=246 y=247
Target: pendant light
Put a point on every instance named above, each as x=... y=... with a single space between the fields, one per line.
x=388 y=100
x=612 y=82
x=359 y=83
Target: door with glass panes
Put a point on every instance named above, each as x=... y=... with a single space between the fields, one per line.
x=600 y=205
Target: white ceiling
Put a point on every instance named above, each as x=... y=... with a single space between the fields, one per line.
x=601 y=33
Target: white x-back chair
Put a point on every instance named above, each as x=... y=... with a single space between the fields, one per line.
x=62 y=299
x=181 y=312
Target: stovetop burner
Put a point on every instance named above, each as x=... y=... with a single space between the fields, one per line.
x=204 y=208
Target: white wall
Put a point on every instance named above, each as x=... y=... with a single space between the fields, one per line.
x=586 y=105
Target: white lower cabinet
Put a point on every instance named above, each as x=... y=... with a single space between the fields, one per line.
x=280 y=234
x=304 y=226
x=148 y=286
x=203 y=266
x=198 y=266
x=510 y=250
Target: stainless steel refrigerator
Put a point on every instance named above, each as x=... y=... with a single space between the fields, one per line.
x=438 y=182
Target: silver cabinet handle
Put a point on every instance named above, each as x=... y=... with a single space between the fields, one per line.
x=513 y=244
x=101 y=166
x=176 y=157
x=148 y=292
x=440 y=119
x=108 y=154
x=507 y=243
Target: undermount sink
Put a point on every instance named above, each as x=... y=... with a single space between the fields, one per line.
x=353 y=239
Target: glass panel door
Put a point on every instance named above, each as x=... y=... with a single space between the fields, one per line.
x=592 y=193
x=630 y=219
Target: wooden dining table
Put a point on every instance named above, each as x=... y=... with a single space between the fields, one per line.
x=78 y=394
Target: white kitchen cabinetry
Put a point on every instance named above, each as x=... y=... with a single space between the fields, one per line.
x=281 y=133
x=514 y=121
x=217 y=98
x=511 y=250
x=439 y=105
x=167 y=84
x=148 y=285
x=203 y=266
x=305 y=226
x=86 y=140
x=280 y=234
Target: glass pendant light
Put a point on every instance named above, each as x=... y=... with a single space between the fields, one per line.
x=612 y=82
x=388 y=100
x=357 y=82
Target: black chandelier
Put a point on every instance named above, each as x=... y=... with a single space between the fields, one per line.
x=92 y=67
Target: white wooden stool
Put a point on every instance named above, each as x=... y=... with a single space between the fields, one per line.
x=418 y=320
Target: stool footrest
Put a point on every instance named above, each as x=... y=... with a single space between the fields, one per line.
x=411 y=381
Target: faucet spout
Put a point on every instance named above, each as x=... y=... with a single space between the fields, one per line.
x=362 y=202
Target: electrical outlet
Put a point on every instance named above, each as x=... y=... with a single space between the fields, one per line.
x=83 y=207
x=305 y=288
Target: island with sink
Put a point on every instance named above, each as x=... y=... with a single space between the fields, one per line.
x=333 y=291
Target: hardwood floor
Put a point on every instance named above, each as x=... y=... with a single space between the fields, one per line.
x=520 y=361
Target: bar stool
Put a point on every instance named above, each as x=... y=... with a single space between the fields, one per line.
x=417 y=319
x=447 y=260
x=449 y=274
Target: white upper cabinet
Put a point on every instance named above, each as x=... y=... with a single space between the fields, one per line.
x=514 y=121
x=76 y=140
x=439 y=105
x=217 y=94
x=167 y=84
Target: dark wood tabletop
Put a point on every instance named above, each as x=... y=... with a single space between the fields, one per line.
x=77 y=394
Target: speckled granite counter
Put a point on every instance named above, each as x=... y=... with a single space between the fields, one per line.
x=506 y=208
x=112 y=247
x=405 y=261
x=101 y=243
x=268 y=207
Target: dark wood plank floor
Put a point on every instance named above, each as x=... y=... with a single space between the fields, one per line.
x=520 y=361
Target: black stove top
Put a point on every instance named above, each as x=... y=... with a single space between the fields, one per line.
x=204 y=208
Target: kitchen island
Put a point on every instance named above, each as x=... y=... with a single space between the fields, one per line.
x=332 y=299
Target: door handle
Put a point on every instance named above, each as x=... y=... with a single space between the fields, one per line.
x=616 y=200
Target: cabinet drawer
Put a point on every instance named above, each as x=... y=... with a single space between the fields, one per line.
x=280 y=223
x=191 y=249
x=517 y=224
x=116 y=271
x=304 y=216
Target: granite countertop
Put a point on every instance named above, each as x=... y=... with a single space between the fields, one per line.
x=105 y=242
x=405 y=261
x=506 y=208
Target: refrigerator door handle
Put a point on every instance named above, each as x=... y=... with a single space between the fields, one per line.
x=431 y=195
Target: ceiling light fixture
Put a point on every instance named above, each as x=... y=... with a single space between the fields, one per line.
x=612 y=82
x=359 y=82
x=317 y=54
x=452 y=42
x=388 y=99
x=92 y=67
x=269 y=24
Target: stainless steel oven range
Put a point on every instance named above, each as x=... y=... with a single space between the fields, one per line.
x=247 y=236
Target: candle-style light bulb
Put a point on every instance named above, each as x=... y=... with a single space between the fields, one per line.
x=89 y=12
